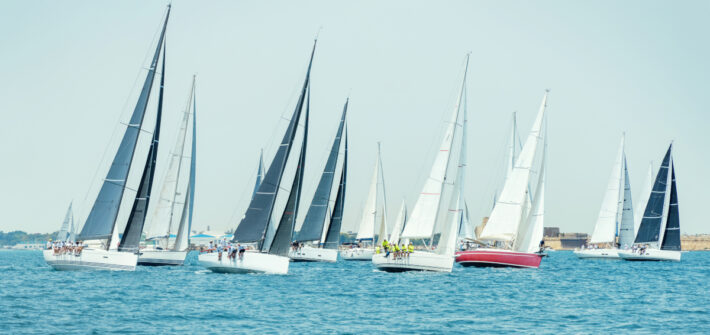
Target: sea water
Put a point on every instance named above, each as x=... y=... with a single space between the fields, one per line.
x=565 y=295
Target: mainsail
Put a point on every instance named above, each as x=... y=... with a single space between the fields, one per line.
x=605 y=231
x=530 y=233
x=65 y=232
x=312 y=228
x=644 y=195
x=332 y=237
x=257 y=217
x=626 y=228
x=656 y=207
x=368 y=222
x=102 y=218
x=134 y=228
x=182 y=240
x=399 y=223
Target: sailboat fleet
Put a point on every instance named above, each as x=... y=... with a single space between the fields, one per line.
x=266 y=240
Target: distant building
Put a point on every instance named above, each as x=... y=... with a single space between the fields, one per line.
x=552 y=232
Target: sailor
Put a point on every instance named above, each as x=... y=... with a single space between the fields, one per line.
x=385 y=244
x=49 y=244
x=377 y=249
x=410 y=249
x=241 y=250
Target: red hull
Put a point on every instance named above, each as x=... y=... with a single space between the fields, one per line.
x=498 y=258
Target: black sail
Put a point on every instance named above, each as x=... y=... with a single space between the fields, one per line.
x=253 y=226
x=671 y=237
x=332 y=238
x=284 y=232
x=102 y=218
x=134 y=228
x=650 y=227
x=312 y=227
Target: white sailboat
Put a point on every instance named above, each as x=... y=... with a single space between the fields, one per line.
x=319 y=237
x=424 y=216
x=658 y=237
x=368 y=223
x=99 y=235
x=616 y=217
x=269 y=258
x=515 y=226
x=66 y=232
x=174 y=207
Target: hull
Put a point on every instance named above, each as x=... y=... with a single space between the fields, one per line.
x=357 y=254
x=251 y=262
x=416 y=261
x=498 y=258
x=162 y=257
x=310 y=254
x=651 y=255
x=92 y=259
x=597 y=254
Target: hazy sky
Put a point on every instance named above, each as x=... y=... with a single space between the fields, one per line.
x=71 y=71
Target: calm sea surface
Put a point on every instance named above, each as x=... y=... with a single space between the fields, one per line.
x=565 y=295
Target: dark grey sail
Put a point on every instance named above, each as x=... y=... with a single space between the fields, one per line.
x=253 y=226
x=332 y=237
x=134 y=228
x=671 y=237
x=312 y=227
x=102 y=218
x=284 y=232
x=650 y=227
x=259 y=174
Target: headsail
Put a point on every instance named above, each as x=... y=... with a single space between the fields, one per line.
x=369 y=211
x=399 y=223
x=102 y=218
x=65 y=231
x=643 y=198
x=653 y=217
x=257 y=217
x=182 y=240
x=671 y=236
x=312 y=228
x=259 y=173
x=332 y=237
x=626 y=228
x=605 y=231
x=532 y=230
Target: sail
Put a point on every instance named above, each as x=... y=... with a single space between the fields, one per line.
x=369 y=212
x=671 y=236
x=281 y=242
x=399 y=223
x=169 y=207
x=426 y=209
x=131 y=238
x=510 y=206
x=626 y=228
x=607 y=223
x=644 y=195
x=510 y=162
x=65 y=232
x=650 y=228
x=259 y=173
x=466 y=229
x=182 y=240
x=258 y=215
x=102 y=218
x=332 y=237
x=531 y=232
x=312 y=228
x=72 y=232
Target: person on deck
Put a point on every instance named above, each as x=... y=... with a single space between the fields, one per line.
x=410 y=249
x=241 y=251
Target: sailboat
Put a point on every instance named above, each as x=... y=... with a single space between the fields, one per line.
x=174 y=208
x=100 y=231
x=658 y=238
x=319 y=236
x=66 y=232
x=368 y=223
x=421 y=224
x=515 y=225
x=270 y=258
x=616 y=217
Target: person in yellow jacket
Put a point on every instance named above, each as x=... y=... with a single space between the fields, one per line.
x=397 y=253
x=410 y=249
x=377 y=249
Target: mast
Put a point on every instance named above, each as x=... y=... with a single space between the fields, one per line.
x=102 y=219
x=252 y=227
x=315 y=220
x=426 y=209
x=332 y=237
x=182 y=240
x=131 y=238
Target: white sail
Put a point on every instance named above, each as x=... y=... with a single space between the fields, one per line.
x=531 y=232
x=626 y=227
x=643 y=198
x=510 y=209
x=169 y=206
x=607 y=222
x=369 y=212
x=65 y=232
x=399 y=223
x=426 y=209
x=510 y=162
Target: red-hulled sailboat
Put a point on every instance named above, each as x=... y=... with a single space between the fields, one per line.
x=515 y=226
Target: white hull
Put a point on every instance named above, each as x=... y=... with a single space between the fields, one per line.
x=357 y=254
x=651 y=255
x=416 y=261
x=251 y=262
x=162 y=257
x=92 y=259
x=311 y=254
x=597 y=253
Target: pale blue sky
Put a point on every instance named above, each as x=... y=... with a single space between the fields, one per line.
x=69 y=71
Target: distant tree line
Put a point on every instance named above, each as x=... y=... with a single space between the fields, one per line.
x=19 y=237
